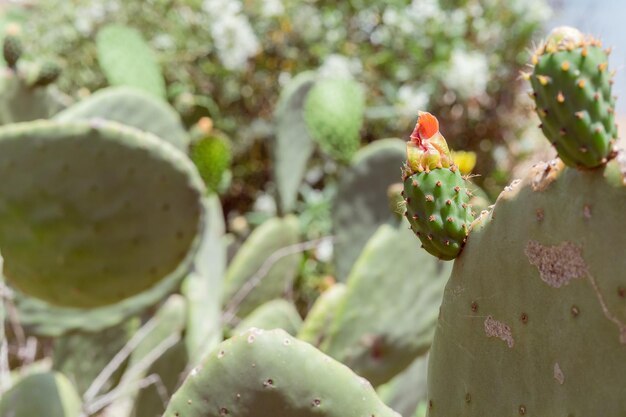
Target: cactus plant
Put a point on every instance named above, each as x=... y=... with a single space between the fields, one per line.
x=515 y=327
x=81 y=356
x=126 y=59
x=293 y=145
x=317 y=322
x=373 y=169
x=248 y=284
x=264 y=373
x=436 y=195
x=407 y=390
x=366 y=333
x=333 y=112
x=572 y=91
x=41 y=394
x=78 y=233
x=133 y=108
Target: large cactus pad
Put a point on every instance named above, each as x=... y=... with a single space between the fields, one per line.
x=533 y=320
x=269 y=373
x=92 y=213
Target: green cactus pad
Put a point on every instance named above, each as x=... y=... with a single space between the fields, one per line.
x=317 y=322
x=388 y=315
x=407 y=389
x=241 y=295
x=275 y=314
x=293 y=145
x=333 y=112
x=572 y=90
x=133 y=108
x=269 y=373
x=47 y=394
x=19 y=102
x=126 y=59
x=43 y=319
x=81 y=356
x=360 y=206
x=92 y=213
x=533 y=319
x=437 y=207
x=212 y=156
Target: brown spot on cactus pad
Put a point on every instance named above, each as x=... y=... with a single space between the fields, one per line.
x=557 y=265
x=495 y=328
x=558 y=374
x=544 y=173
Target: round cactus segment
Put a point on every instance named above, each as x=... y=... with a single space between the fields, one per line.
x=126 y=59
x=437 y=207
x=212 y=156
x=93 y=213
x=572 y=91
x=333 y=112
x=534 y=314
x=134 y=108
x=47 y=394
x=269 y=373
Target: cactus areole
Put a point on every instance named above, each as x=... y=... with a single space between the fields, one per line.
x=436 y=196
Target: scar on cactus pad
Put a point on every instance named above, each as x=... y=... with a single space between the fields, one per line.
x=435 y=193
x=572 y=91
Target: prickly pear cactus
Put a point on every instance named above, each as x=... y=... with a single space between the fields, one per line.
x=21 y=102
x=333 y=112
x=81 y=356
x=572 y=91
x=365 y=333
x=534 y=314
x=134 y=108
x=126 y=59
x=317 y=322
x=47 y=394
x=43 y=74
x=436 y=195
x=92 y=213
x=373 y=169
x=269 y=373
x=259 y=272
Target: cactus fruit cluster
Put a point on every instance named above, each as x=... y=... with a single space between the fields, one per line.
x=572 y=91
x=436 y=195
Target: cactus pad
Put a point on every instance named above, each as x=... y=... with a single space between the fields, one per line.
x=269 y=373
x=534 y=314
x=333 y=112
x=47 y=394
x=572 y=91
x=92 y=213
x=134 y=108
x=126 y=59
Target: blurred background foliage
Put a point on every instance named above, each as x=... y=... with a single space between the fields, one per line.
x=228 y=59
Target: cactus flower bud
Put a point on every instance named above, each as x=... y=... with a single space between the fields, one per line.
x=427 y=148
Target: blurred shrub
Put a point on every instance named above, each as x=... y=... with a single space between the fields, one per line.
x=228 y=58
